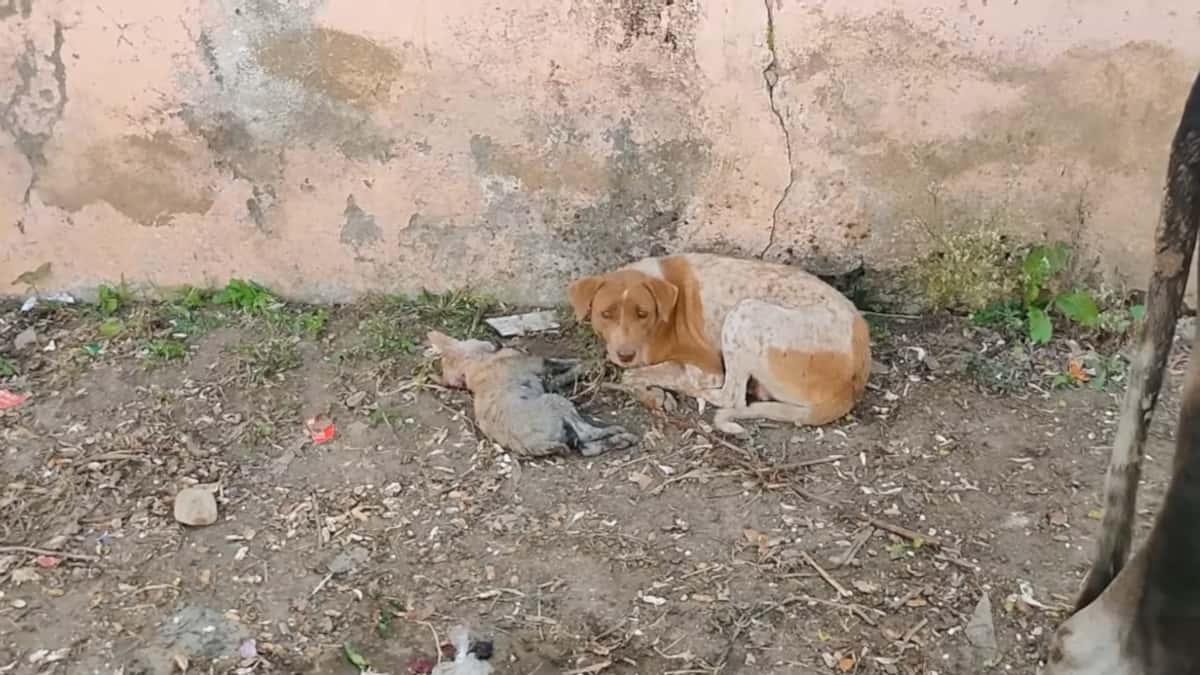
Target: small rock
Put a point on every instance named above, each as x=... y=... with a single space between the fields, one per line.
x=26 y=338
x=981 y=633
x=349 y=560
x=196 y=507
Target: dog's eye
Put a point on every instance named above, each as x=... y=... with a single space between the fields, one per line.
x=606 y=314
x=641 y=313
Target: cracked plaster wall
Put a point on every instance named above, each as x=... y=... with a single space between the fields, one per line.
x=329 y=148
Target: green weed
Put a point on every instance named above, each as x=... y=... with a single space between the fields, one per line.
x=246 y=297
x=268 y=358
x=110 y=299
x=166 y=349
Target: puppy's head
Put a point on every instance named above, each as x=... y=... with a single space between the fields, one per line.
x=626 y=309
x=459 y=357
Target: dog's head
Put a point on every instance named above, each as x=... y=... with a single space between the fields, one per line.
x=626 y=308
x=459 y=357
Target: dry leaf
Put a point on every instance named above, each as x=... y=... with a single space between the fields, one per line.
x=865 y=586
x=759 y=539
x=1075 y=369
x=846 y=663
x=654 y=600
x=643 y=480
x=24 y=574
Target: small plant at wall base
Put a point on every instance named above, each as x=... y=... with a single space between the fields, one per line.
x=1046 y=294
x=110 y=299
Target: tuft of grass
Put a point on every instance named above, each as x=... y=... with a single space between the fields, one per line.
x=111 y=299
x=166 y=349
x=7 y=367
x=457 y=313
x=244 y=296
x=306 y=323
x=396 y=324
x=970 y=271
x=1006 y=371
x=267 y=359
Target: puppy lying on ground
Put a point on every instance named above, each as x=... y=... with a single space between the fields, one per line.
x=512 y=406
x=722 y=329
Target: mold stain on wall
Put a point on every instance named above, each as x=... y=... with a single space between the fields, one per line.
x=342 y=66
x=150 y=180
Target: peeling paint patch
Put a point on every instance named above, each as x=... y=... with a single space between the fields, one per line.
x=612 y=209
x=340 y=65
x=150 y=180
x=560 y=170
x=261 y=201
x=359 y=227
x=13 y=7
x=267 y=76
x=37 y=103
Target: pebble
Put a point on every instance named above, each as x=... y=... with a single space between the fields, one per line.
x=25 y=338
x=195 y=506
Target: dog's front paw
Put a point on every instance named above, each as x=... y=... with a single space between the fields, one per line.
x=725 y=425
x=657 y=399
x=635 y=377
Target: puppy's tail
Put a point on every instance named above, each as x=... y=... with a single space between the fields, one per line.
x=1174 y=245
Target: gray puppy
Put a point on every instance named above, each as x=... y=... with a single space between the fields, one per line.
x=512 y=406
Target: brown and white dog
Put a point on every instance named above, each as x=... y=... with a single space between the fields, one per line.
x=1144 y=618
x=720 y=328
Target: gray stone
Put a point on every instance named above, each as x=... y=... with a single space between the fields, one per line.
x=195 y=506
x=981 y=633
x=348 y=560
x=202 y=633
x=26 y=338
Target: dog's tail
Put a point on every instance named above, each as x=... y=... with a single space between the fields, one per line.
x=1174 y=245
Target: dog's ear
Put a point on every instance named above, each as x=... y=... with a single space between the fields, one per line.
x=666 y=294
x=582 y=292
x=440 y=342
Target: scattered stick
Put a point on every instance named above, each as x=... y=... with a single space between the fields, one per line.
x=321 y=585
x=437 y=642
x=965 y=564
x=912 y=632
x=811 y=496
x=45 y=551
x=841 y=590
x=911 y=535
x=801 y=465
x=890 y=315
x=859 y=542
x=911 y=595
x=587 y=670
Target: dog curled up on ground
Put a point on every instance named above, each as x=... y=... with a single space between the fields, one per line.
x=727 y=330
x=1144 y=618
x=512 y=406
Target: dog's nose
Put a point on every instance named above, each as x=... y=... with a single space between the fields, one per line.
x=626 y=356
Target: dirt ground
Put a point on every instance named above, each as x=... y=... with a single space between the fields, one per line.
x=863 y=547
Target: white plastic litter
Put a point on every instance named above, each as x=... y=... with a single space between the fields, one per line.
x=464 y=663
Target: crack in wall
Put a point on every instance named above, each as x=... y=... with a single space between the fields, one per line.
x=771 y=78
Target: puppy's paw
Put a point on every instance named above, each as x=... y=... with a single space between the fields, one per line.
x=657 y=399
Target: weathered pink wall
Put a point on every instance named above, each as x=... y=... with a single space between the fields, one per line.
x=331 y=148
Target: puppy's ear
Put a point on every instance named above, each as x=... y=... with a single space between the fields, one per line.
x=666 y=294
x=440 y=342
x=582 y=292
